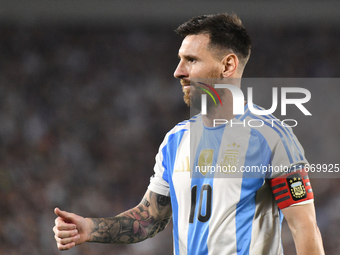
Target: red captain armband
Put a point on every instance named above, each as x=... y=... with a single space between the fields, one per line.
x=292 y=188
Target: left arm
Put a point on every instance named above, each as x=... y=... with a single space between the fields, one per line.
x=302 y=223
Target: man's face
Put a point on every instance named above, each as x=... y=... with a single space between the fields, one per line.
x=197 y=60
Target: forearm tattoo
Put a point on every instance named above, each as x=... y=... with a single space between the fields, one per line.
x=131 y=226
x=145 y=202
x=161 y=201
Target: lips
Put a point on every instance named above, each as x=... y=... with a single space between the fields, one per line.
x=185 y=83
x=186 y=88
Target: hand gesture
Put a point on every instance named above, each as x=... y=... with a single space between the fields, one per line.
x=70 y=229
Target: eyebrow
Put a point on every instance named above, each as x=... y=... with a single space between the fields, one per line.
x=188 y=56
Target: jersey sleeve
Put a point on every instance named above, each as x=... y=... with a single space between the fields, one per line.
x=289 y=180
x=158 y=182
x=288 y=177
x=165 y=160
x=286 y=154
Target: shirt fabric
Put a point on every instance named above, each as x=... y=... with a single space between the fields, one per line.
x=218 y=181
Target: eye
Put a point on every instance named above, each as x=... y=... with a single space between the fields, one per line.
x=191 y=60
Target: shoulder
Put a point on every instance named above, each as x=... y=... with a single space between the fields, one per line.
x=268 y=126
x=180 y=130
x=185 y=125
x=278 y=135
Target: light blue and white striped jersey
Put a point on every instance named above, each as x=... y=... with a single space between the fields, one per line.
x=225 y=212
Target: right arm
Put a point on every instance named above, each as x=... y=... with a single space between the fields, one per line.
x=137 y=224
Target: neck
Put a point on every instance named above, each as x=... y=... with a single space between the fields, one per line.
x=220 y=114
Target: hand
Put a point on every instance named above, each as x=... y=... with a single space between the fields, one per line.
x=70 y=229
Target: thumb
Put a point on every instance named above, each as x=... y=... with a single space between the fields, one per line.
x=63 y=214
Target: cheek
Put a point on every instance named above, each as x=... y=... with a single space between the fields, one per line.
x=207 y=70
x=198 y=70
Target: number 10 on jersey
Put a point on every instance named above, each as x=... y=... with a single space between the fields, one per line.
x=204 y=209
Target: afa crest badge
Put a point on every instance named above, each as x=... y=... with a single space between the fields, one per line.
x=230 y=158
x=296 y=187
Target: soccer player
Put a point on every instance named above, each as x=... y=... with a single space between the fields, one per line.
x=214 y=213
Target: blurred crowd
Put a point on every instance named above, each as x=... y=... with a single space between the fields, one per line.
x=83 y=111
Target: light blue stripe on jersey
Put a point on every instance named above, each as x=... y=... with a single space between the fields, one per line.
x=285 y=130
x=169 y=152
x=192 y=119
x=182 y=123
x=251 y=182
x=198 y=232
x=281 y=136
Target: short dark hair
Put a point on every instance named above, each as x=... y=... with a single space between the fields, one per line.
x=225 y=31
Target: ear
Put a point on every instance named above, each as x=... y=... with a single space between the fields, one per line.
x=230 y=63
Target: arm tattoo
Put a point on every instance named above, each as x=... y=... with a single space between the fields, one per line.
x=161 y=201
x=145 y=202
x=132 y=226
x=159 y=226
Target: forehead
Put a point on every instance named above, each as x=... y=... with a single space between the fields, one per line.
x=194 y=44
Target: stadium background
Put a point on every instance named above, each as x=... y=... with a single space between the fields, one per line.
x=87 y=95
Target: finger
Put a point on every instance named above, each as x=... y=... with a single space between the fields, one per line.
x=63 y=214
x=62 y=225
x=65 y=234
x=65 y=241
x=65 y=247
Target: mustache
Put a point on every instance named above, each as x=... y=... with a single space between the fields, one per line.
x=185 y=82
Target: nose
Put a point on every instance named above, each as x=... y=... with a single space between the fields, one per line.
x=180 y=72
